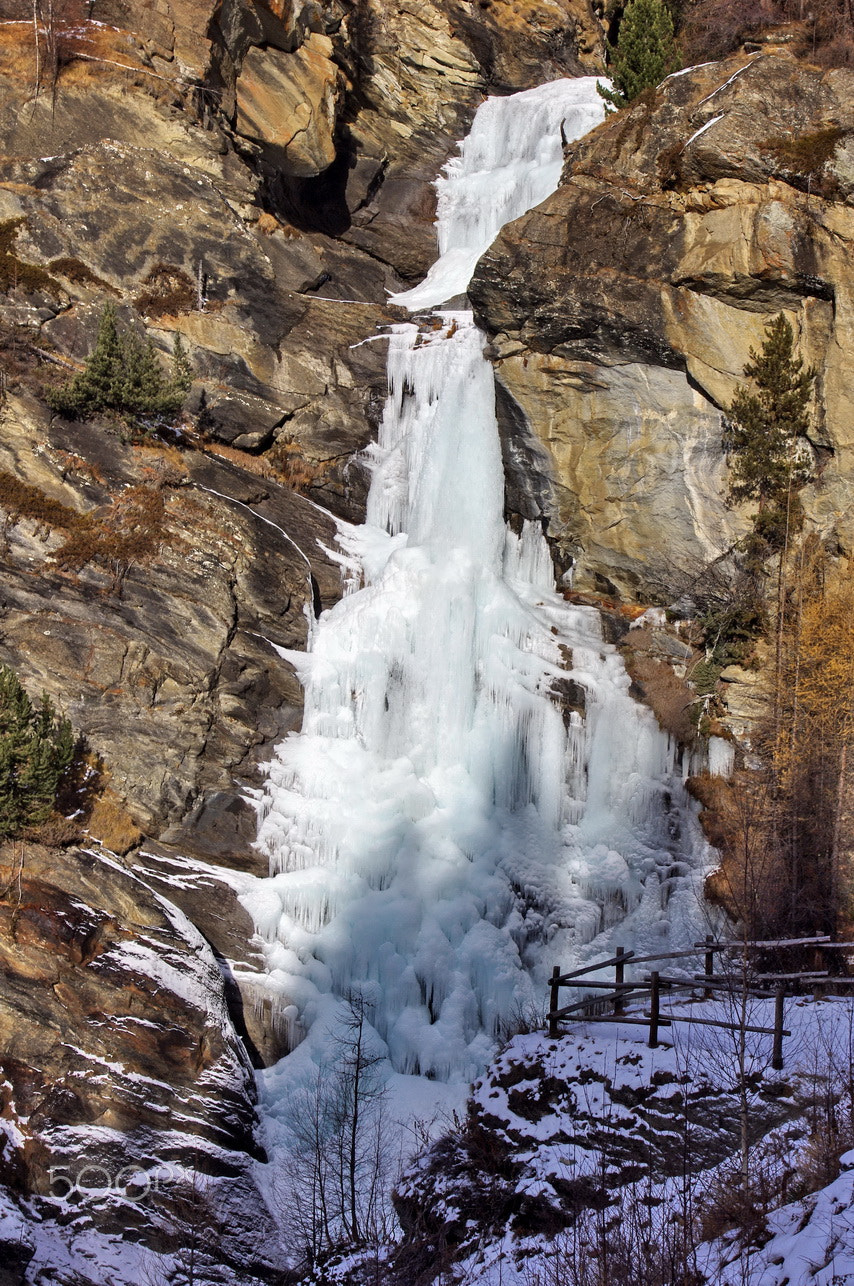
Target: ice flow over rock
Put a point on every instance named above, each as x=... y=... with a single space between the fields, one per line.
x=441 y=831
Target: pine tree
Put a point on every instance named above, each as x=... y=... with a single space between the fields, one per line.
x=123 y=374
x=99 y=383
x=143 y=387
x=644 y=54
x=765 y=434
x=36 y=748
x=182 y=371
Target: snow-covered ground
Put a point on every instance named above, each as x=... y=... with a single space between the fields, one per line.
x=657 y=1133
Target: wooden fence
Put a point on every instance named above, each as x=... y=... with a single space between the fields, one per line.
x=744 y=982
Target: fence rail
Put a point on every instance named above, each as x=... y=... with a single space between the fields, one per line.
x=618 y=993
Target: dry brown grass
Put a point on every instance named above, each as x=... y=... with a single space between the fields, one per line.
x=160 y=462
x=77 y=466
x=724 y=1206
x=166 y=291
x=56 y=832
x=251 y=463
x=76 y=271
x=669 y=697
x=130 y=531
x=293 y=468
x=22 y=500
x=110 y=822
x=85 y=53
x=719 y=816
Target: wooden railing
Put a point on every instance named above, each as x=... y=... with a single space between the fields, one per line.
x=744 y=982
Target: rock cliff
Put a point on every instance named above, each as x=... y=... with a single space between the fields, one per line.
x=623 y=310
x=126 y=1098
x=254 y=177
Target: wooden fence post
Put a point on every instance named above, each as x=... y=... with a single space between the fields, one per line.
x=777 y=1053
x=653 y=1010
x=709 y=965
x=619 y=977
x=554 y=1001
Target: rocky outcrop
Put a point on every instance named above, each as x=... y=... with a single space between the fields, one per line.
x=288 y=104
x=624 y=309
x=265 y=164
x=171 y=671
x=262 y=371
x=126 y=1100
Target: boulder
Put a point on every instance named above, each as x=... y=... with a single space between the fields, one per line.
x=289 y=103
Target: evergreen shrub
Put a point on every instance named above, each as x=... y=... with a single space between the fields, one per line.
x=36 y=750
x=644 y=54
x=123 y=375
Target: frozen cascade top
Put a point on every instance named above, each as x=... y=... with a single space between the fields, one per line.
x=442 y=830
x=510 y=162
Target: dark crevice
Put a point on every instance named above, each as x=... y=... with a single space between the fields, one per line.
x=316 y=602
x=702 y=390
x=234 y=1004
x=373 y=187
x=317 y=204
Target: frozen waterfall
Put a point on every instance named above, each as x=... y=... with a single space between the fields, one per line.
x=444 y=828
x=510 y=162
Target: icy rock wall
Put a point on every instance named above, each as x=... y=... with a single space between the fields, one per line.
x=441 y=832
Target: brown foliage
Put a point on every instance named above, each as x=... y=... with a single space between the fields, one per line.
x=56 y=832
x=16 y=273
x=822 y=31
x=77 y=271
x=111 y=823
x=294 y=469
x=263 y=468
x=131 y=531
x=751 y=883
x=800 y=159
x=806 y=153
x=162 y=462
x=22 y=500
x=712 y=29
x=93 y=807
x=669 y=697
x=167 y=290
x=724 y=1205
x=811 y=740
x=785 y=829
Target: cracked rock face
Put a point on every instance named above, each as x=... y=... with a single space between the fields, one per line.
x=288 y=104
x=126 y=1100
x=625 y=307
x=175 y=680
